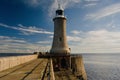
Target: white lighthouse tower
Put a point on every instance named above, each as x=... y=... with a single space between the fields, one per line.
x=59 y=45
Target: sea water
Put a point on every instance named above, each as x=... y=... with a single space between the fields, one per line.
x=102 y=66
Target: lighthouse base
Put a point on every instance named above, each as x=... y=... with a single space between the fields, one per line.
x=60 y=51
x=61 y=62
x=69 y=68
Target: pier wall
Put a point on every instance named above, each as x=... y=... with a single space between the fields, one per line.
x=9 y=62
x=77 y=67
x=51 y=71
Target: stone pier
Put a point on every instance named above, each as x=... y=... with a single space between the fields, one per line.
x=42 y=69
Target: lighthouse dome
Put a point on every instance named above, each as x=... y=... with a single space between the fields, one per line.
x=60 y=11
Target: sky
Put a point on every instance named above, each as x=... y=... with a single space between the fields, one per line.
x=92 y=25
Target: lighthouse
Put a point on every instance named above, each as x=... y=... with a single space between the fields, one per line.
x=59 y=45
x=64 y=65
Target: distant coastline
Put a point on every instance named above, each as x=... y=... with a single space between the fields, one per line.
x=22 y=54
x=14 y=54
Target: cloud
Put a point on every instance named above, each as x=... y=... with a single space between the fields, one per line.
x=32 y=29
x=52 y=5
x=95 y=41
x=64 y=3
x=51 y=36
x=106 y=11
x=3 y=37
x=32 y=3
x=6 y=39
x=68 y=3
x=44 y=42
x=99 y=41
x=74 y=38
x=90 y=4
x=75 y=32
x=27 y=30
x=91 y=0
x=16 y=45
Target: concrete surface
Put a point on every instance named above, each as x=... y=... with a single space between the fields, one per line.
x=32 y=70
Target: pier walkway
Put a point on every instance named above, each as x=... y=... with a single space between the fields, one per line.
x=42 y=69
x=33 y=70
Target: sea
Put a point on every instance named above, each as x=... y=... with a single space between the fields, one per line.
x=102 y=66
x=98 y=66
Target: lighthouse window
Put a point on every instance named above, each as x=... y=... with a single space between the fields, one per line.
x=60 y=39
x=59 y=12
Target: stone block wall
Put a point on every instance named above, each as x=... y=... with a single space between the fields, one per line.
x=9 y=62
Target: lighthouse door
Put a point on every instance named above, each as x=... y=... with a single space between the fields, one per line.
x=63 y=63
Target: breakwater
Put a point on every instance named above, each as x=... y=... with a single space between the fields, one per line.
x=78 y=68
x=42 y=67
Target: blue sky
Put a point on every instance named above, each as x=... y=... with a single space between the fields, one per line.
x=92 y=25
